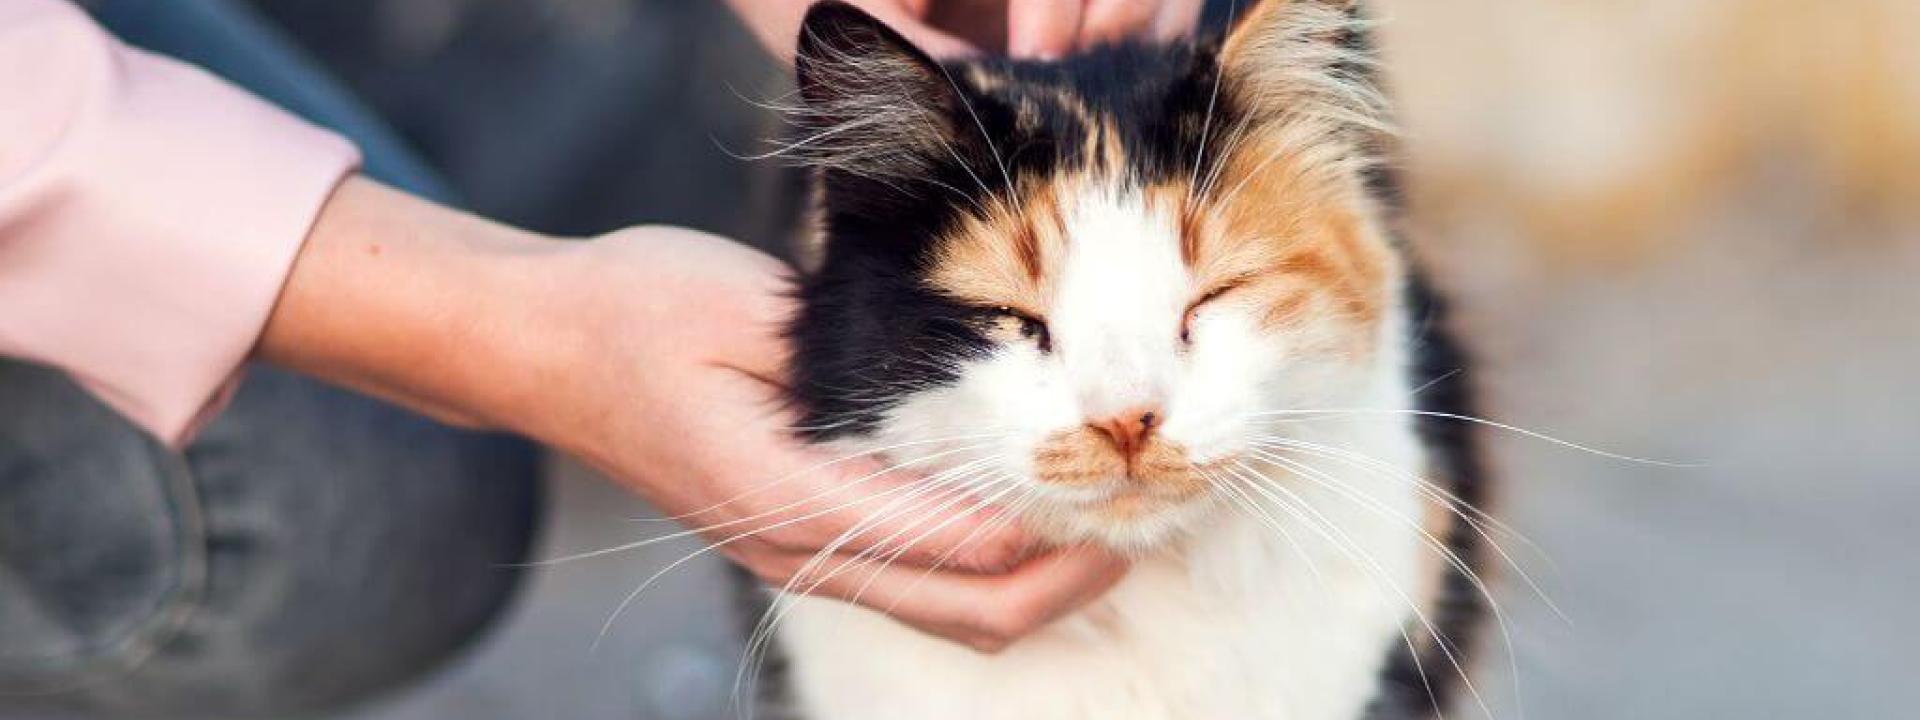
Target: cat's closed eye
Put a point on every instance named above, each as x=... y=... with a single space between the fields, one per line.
x=1193 y=309
x=1010 y=324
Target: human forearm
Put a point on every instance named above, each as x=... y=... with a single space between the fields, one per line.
x=421 y=305
x=654 y=354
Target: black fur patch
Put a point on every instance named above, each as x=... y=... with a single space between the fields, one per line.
x=1423 y=686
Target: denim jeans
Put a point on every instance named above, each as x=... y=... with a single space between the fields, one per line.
x=310 y=548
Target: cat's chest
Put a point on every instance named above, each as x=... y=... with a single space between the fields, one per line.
x=1244 y=625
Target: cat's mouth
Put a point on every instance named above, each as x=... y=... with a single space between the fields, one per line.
x=1136 y=501
x=1127 y=515
x=1130 y=497
x=1086 y=458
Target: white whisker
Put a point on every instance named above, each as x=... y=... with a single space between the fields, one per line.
x=1350 y=551
x=628 y=600
x=1453 y=560
x=1481 y=421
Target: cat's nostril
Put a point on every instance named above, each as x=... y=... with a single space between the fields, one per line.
x=1128 y=430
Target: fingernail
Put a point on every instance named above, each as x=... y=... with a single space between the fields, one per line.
x=1025 y=45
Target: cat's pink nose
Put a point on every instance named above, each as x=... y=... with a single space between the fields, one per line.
x=1128 y=430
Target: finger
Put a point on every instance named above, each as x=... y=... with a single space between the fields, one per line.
x=936 y=43
x=1042 y=29
x=1176 y=19
x=804 y=498
x=907 y=21
x=1110 y=21
x=985 y=613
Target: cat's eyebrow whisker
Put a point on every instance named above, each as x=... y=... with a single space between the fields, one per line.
x=968 y=167
x=1206 y=124
x=1290 y=146
x=1335 y=412
x=987 y=137
x=957 y=191
x=1232 y=142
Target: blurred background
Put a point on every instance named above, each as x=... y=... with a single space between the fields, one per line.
x=1682 y=229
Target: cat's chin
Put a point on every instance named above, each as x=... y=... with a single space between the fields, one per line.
x=1131 y=524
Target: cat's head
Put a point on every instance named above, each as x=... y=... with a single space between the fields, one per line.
x=1073 y=285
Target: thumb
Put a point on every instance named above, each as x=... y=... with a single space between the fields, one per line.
x=1042 y=29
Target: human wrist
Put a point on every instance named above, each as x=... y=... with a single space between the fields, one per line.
x=418 y=304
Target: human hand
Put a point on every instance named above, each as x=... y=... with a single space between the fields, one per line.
x=1042 y=29
x=653 y=354
x=683 y=403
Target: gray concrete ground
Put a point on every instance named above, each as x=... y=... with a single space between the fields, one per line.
x=1773 y=581
x=670 y=655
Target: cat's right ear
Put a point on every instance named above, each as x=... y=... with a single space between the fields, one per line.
x=871 y=103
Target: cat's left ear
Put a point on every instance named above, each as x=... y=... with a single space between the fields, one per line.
x=1304 y=57
x=873 y=104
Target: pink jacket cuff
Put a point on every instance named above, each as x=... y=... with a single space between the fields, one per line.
x=149 y=214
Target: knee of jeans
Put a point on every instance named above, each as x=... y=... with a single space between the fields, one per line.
x=345 y=549
x=97 y=560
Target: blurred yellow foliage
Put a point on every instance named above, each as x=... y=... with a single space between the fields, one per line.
x=1601 y=131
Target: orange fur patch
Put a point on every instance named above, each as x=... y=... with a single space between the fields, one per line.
x=1077 y=456
x=1288 y=240
x=1283 y=225
x=1085 y=456
x=1004 y=258
x=1290 y=237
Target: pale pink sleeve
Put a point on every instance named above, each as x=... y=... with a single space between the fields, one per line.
x=149 y=213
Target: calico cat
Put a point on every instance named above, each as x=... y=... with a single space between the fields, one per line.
x=1149 y=297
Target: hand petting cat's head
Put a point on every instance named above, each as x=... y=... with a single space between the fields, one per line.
x=1071 y=287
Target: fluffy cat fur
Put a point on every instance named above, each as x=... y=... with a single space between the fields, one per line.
x=1148 y=297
